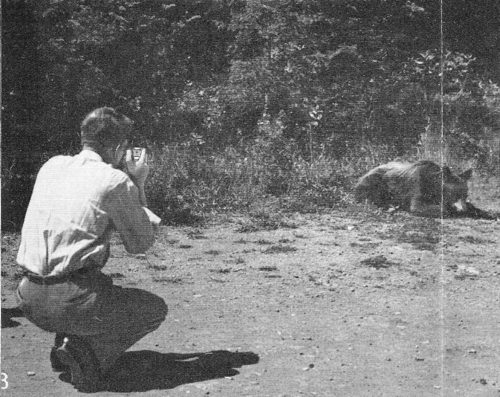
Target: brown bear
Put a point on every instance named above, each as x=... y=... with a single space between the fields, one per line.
x=423 y=188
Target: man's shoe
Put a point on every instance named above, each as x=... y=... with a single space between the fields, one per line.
x=76 y=355
x=57 y=366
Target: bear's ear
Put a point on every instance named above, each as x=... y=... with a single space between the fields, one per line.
x=466 y=175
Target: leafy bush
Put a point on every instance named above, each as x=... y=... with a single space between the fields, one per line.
x=16 y=193
x=464 y=134
x=250 y=100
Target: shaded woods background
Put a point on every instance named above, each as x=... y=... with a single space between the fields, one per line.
x=251 y=100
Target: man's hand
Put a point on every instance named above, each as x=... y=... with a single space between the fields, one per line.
x=138 y=170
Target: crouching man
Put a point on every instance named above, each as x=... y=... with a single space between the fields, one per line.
x=77 y=203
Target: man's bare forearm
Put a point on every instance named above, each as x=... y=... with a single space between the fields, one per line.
x=142 y=196
x=140 y=187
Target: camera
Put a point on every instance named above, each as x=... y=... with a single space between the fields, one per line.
x=136 y=153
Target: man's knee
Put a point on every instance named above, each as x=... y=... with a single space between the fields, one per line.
x=162 y=308
x=158 y=310
x=145 y=307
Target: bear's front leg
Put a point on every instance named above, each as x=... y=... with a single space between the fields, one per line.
x=429 y=210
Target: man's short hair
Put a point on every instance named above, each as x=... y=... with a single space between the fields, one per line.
x=105 y=126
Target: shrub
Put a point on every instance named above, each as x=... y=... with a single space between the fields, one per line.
x=16 y=193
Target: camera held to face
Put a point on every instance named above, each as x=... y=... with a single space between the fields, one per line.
x=136 y=154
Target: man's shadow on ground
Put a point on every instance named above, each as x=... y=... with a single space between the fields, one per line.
x=145 y=370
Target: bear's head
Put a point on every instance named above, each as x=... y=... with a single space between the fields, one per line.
x=455 y=189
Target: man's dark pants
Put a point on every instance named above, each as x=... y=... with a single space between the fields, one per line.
x=108 y=317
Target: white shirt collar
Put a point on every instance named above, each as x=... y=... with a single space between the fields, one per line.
x=90 y=155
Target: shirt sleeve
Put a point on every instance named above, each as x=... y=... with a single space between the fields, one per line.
x=130 y=218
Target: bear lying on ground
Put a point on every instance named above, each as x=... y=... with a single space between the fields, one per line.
x=423 y=188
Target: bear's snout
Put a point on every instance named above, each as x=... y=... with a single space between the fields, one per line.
x=460 y=205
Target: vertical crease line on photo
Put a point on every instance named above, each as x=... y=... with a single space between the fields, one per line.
x=442 y=285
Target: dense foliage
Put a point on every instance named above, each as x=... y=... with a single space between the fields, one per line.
x=284 y=85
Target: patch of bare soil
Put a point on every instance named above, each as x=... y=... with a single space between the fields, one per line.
x=353 y=303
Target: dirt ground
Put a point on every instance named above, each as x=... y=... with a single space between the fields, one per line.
x=350 y=303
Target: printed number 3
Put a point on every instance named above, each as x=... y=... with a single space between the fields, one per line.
x=5 y=384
